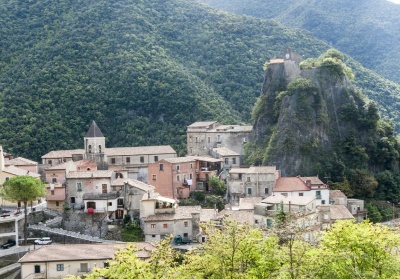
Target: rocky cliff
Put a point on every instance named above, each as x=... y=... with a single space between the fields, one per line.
x=311 y=120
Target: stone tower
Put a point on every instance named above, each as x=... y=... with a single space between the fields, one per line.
x=95 y=144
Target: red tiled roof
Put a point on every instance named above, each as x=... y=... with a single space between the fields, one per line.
x=290 y=184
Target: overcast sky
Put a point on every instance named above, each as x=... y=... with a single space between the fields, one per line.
x=395 y=1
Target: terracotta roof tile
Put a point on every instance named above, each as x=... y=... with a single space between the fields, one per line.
x=20 y=172
x=336 y=194
x=225 y=151
x=90 y=174
x=74 y=252
x=20 y=161
x=63 y=153
x=340 y=212
x=140 y=150
x=290 y=184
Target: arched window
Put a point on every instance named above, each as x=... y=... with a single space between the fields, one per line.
x=90 y=148
x=99 y=148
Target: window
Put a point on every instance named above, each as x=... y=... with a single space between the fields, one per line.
x=318 y=195
x=7 y=178
x=60 y=267
x=161 y=167
x=54 y=180
x=178 y=178
x=301 y=194
x=72 y=199
x=186 y=224
x=185 y=235
x=104 y=188
x=190 y=139
x=154 y=177
x=249 y=191
x=37 y=268
x=248 y=179
x=128 y=160
x=50 y=162
x=178 y=168
x=52 y=192
x=266 y=191
x=91 y=205
x=79 y=186
x=190 y=175
x=240 y=176
x=90 y=149
x=109 y=203
x=153 y=226
x=57 y=203
x=153 y=235
x=256 y=221
x=244 y=140
x=226 y=161
x=106 y=264
x=165 y=226
x=112 y=160
x=99 y=148
x=191 y=165
x=323 y=202
x=197 y=139
x=208 y=139
x=155 y=158
x=234 y=161
x=141 y=159
x=84 y=267
x=191 y=150
x=218 y=138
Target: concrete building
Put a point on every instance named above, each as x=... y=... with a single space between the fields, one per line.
x=23 y=163
x=133 y=160
x=176 y=177
x=59 y=261
x=160 y=217
x=251 y=182
x=202 y=137
x=230 y=159
x=303 y=186
x=302 y=210
x=7 y=172
x=56 y=196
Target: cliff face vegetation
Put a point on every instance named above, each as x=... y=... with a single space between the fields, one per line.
x=311 y=120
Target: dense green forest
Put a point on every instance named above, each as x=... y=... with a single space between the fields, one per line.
x=143 y=70
x=367 y=30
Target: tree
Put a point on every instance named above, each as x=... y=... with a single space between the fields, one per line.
x=362 y=250
x=217 y=185
x=24 y=189
x=127 y=265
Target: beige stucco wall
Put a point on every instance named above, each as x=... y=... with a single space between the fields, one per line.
x=49 y=269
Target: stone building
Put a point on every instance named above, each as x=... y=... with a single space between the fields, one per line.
x=133 y=160
x=176 y=177
x=251 y=182
x=202 y=137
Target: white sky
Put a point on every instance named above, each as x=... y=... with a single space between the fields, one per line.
x=395 y=1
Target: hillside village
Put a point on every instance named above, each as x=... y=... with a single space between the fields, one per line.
x=97 y=187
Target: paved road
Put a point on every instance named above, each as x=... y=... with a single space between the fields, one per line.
x=9 y=268
x=15 y=250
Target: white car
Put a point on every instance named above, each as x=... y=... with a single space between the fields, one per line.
x=43 y=241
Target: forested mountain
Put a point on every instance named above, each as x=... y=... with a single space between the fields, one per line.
x=367 y=30
x=143 y=70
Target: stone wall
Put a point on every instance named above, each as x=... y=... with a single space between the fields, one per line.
x=89 y=224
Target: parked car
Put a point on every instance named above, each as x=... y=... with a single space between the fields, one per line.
x=43 y=241
x=4 y=213
x=8 y=244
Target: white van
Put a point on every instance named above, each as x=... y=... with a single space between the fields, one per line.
x=43 y=241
